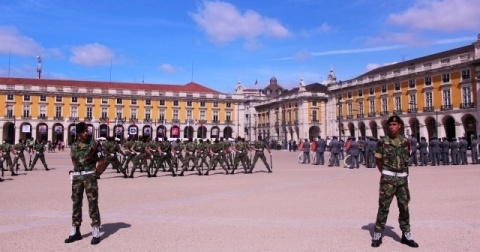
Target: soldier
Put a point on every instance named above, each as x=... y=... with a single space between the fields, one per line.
x=372 y=147
x=5 y=150
x=140 y=150
x=227 y=150
x=435 y=151
x=320 y=152
x=241 y=149
x=201 y=155
x=335 y=151
x=353 y=149
x=259 y=147
x=166 y=159
x=392 y=161
x=474 y=150
x=413 y=150
x=110 y=149
x=155 y=158
x=129 y=155
x=39 y=153
x=190 y=150
x=463 y=146
x=20 y=147
x=85 y=155
x=423 y=146
x=454 y=152
x=363 y=148
x=216 y=151
x=306 y=152
x=445 y=151
x=178 y=153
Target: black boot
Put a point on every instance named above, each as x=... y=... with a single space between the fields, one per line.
x=74 y=235
x=407 y=239
x=377 y=239
x=96 y=235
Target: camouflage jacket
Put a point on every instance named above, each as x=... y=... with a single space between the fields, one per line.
x=394 y=153
x=85 y=155
x=20 y=147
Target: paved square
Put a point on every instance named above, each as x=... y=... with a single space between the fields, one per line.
x=295 y=208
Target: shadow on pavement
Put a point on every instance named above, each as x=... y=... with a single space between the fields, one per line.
x=388 y=231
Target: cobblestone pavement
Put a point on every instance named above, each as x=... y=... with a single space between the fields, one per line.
x=295 y=208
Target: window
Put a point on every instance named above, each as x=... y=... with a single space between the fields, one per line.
x=446 y=97
x=397 y=86
x=119 y=100
x=429 y=100
x=162 y=102
x=372 y=107
x=104 y=113
x=43 y=111
x=26 y=97
x=147 y=114
x=175 y=114
x=9 y=111
x=58 y=111
x=189 y=114
x=162 y=116
x=314 y=103
x=75 y=99
x=215 y=104
x=9 y=97
x=339 y=97
x=134 y=101
x=350 y=109
x=104 y=100
x=360 y=93
x=89 y=112
x=58 y=99
x=384 y=105
x=465 y=74
x=446 y=78
x=411 y=83
x=119 y=113
x=148 y=102
x=26 y=111
x=175 y=103
x=202 y=115
x=314 y=115
x=215 y=116
x=428 y=81
x=229 y=105
x=73 y=112
x=349 y=94
x=228 y=116
x=89 y=100
x=202 y=104
x=398 y=103
x=413 y=102
x=189 y=103
x=360 y=108
x=467 y=95
x=384 y=88
x=133 y=113
x=372 y=90
x=43 y=98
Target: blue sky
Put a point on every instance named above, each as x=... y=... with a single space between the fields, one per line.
x=220 y=43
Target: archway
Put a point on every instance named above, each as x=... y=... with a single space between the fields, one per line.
x=72 y=134
x=351 y=129
x=470 y=125
x=202 y=132
x=104 y=130
x=25 y=131
x=361 y=128
x=188 y=132
x=215 y=132
x=431 y=125
x=449 y=127
x=313 y=132
x=161 y=130
x=57 y=134
x=147 y=132
x=133 y=132
x=9 y=132
x=175 y=132
x=227 y=132
x=42 y=130
x=118 y=132
x=414 y=125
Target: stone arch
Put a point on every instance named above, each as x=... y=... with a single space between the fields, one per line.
x=25 y=131
x=9 y=132
x=351 y=129
x=161 y=132
x=188 y=132
x=104 y=130
x=414 y=126
x=449 y=127
x=361 y=129
x=227 y=132
x=132 y=132
x=374 y=128
x=215 y=132
x=432 y=129
x=175 y=132
x=202 y=132
x=313 y=132
x=57 y=133
x=118 y=132
x=470 y=125
x=42 y=132
x=147 y=132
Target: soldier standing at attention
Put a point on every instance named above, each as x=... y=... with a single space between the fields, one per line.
x=423 y=146
x=85 y=154
x=39 y=153
x=413 y=150
x=463 y=146
x=335 y=152
x=454 y=152
x=474 y=150
x=445 y=151
x=320 y=152
x=20 y=147
x=5 y=150
x=392 y=156
x=258 y=147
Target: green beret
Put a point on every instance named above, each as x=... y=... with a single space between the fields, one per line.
x=80 y=127
x=395 y=118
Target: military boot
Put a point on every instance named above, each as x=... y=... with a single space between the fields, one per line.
x=407 y=239
x=377 y=239
x=96 y=235
x=74 y=235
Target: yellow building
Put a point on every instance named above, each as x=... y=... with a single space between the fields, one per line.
x=435 y=95
x=49 y=109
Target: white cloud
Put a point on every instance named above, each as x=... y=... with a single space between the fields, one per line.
x=440 y=15
x=323 y=28
x=223 y=23
x=92 y=55
x=12 y=42
x=168 y=68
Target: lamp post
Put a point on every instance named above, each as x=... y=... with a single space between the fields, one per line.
x=413 y=109
x=339 y=103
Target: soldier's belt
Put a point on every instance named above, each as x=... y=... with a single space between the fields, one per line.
x=394 y=174
x=79 y=173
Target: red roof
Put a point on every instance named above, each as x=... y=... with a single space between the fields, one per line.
x=191 y=87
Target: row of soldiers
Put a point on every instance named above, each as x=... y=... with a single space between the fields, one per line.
x=443 y=151
x=18 y=151
x=151 y=156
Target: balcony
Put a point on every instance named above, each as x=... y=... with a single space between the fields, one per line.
x=228 y=122
x=446 y=107
x=295 y=122
x=189 y=121
x=383 y=113
x=176 y=121
x=398 y=112
x=360 y=115
x=371 y=114
x=133 y=119
x=428 y=109
x=339 y=117
x=72 y=119
x=26 y=117
x=349 y=116
x=58 y=118
x=119 y=120
x=412 y=110
x=467 y=105
x=42 y=117
x=161 y=120
x=87 y=119
x=102 y=119
x=202 y=122
x=147 y=120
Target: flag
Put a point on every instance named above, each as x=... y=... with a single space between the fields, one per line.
x=256 y=82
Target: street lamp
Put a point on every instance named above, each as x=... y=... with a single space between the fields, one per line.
x=339 y=103
x=413 y=109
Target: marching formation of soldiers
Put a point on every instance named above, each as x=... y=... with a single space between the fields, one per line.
x=178 y=157
x=18 y=150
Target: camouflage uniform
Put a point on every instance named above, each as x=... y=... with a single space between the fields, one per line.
x=110 y=149
x=39 y=153
x=139 y=148
x=260 y=146
x=201 y=155
x=241 y=148
x=6 y=148
x=129 y=155
x=217 y=149
x=177 y=149
x=190 y=149
x=154 y=158
x=19 y=148
x=394 y=155
x=166 y=156
x=84 y=178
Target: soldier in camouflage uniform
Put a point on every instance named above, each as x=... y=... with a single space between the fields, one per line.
x=166 y=156
x=20 y=147
x=392 y=157
x=259 y=146
x=5 y=150
x=201 y=155
x=129 y=155
x=154 y=148
x=190 y=150
x=39 y=153
x=227 y=151
x=140 y=150
x=177 y=152
x=241 y=150
x=88 y=163
x=216 y=151
x=110 y=149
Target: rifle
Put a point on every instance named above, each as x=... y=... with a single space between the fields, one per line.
x=271 y=164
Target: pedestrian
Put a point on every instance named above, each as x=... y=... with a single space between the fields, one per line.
x=88 y=162
x=392 y=155
x=413 y=150
x=423 y=147
x=474 y=150
x=320 y=152
x=335 y=151
x=306 y=152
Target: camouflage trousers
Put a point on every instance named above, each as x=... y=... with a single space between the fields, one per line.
x=22 y=158
x=115 y=163
x=391 y=186
x=42 y=158
x=241 y=157
x=217 y=158
x=261 y=155
x=8 y=161
x=126 y=160
x=87 y=183
x=202 y=158
x=189 y=157
x=137 y=161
